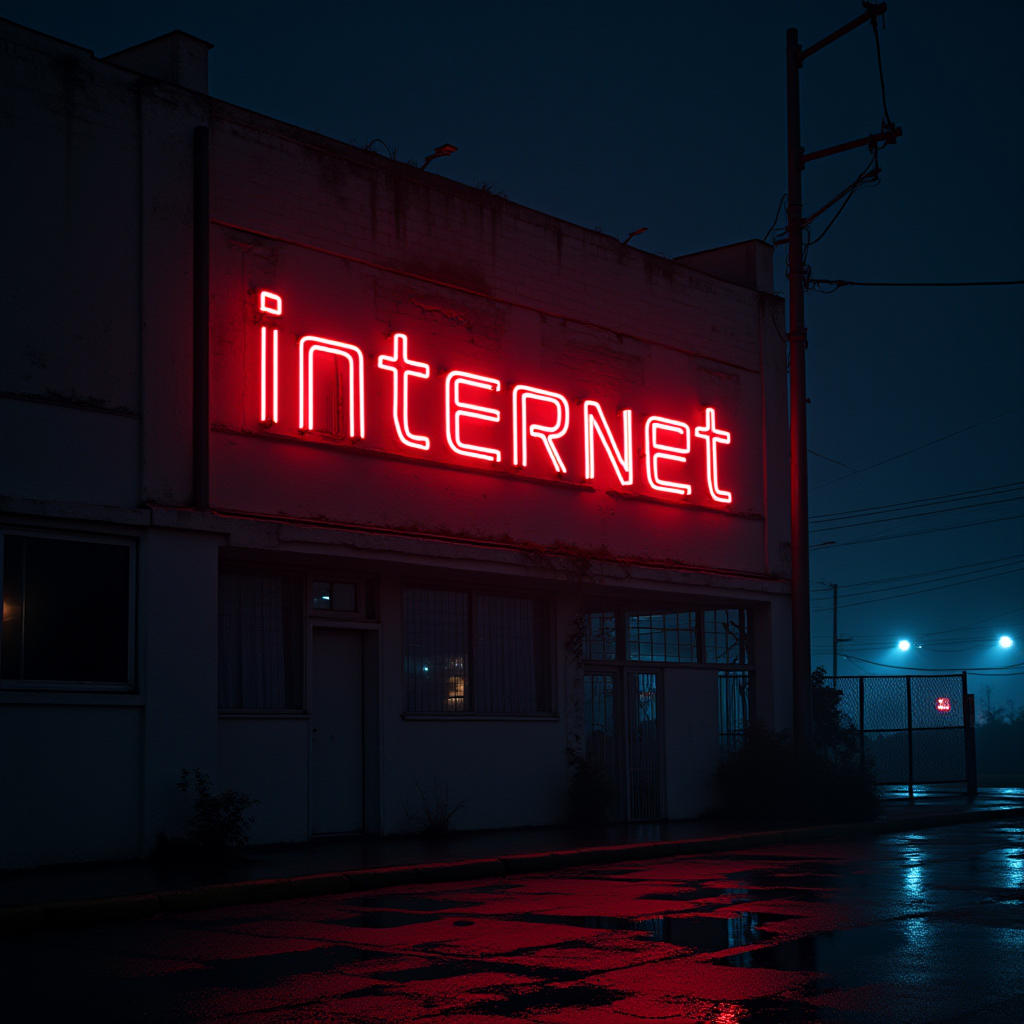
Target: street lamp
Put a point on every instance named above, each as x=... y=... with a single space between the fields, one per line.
x=904 y=645
x=1006 y=642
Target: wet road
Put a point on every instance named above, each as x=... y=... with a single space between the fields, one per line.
x=909 y=928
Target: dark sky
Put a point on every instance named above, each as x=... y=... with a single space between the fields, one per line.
x=671 y=116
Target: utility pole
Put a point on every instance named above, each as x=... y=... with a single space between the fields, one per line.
x=797 y=337
x=835 y=632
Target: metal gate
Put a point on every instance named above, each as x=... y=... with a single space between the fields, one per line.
x=914 y=729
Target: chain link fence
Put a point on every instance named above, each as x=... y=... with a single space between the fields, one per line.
x=915 y=730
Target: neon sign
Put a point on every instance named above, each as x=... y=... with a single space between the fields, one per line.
x=943 y=704
x=478 y=420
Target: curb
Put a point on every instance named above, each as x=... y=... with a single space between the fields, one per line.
x=109 y=909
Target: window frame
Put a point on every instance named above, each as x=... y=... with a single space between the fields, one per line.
x=544 y=641
x=73 y=686
x=624 y=609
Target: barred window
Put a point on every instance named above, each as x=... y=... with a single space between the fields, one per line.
x=467 y=652
x=260 y=642
x=669 y=637
x=726 y=636
x=733 y=710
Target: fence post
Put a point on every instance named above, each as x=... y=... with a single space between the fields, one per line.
x=862 y=723
x=910 y=743
x=970 y=750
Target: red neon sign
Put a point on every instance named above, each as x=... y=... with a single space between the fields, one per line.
x=456 y=410
x=522 y=428
x=309 y=346
x=658 y=451
x=537 y=415
x=943 y=704
x=403 y=368
x=594 y=423
x=713 y=437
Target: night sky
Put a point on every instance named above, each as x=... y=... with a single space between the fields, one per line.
x=671 y=116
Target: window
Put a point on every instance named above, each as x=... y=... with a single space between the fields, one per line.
x=599 y=636
x=726 y=636
x=335 y=597
x=260 y=642
x=474 y=652
x=67 y=611
x=671 y=637
x=733 y=709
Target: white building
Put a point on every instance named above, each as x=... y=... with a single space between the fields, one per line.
x=351 y=485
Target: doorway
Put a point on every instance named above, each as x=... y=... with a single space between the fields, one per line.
x=336 y=721
x=622 y=734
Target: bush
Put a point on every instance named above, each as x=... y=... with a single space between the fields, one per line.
x=434 y=821
x=219 y=823
x=590 y=791
x=771 y=779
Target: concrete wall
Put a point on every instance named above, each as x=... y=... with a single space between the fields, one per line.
x=95 y=401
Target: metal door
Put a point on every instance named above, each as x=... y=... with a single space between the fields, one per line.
x=336 y=718
x=622 y=735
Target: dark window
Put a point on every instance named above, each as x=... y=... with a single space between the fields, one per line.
x=334 y=597
x=733 y=709
x=671 y=637
x=599 y=636
x=260 y=642
x=474 y=652
x=726 y=636
x=66 y=611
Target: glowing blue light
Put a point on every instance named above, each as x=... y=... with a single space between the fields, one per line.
x=1006 y=641
x=904 y=645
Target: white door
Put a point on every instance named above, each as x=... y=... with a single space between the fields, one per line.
x=336 y=717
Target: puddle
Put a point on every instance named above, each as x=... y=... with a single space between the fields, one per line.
x=397 y=902
x=694 y=931
x=384 y=919
x=796 y=955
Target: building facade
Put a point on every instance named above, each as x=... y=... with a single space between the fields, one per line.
x=361 y=490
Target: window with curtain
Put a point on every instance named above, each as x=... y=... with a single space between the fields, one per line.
x=260 y=642
x=473 y=652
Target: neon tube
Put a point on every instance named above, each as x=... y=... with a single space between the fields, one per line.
x=456 y=410
x=522 y=428
x=658 y=451
x=403 y=368
x=622 y=461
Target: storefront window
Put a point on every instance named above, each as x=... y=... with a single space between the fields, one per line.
x=260 y=642
x=473 y=652
x=66 y=611
x=726 y=636
x=665 y=638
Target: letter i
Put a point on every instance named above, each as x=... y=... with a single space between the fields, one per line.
x=272 y=304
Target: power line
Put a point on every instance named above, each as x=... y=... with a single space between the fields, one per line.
x=828 y=527
x=916 y=502
x=920 y=447
x=916 y=533
x=952 y=569
x=924 y=590
x=840 y=283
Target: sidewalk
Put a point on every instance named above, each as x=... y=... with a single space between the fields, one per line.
x=341 y=864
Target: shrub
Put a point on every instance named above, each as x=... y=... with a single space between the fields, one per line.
x=772 y=779
x=219 y=823
x=434 y=821
x=590 y=791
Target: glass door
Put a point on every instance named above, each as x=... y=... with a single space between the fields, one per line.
x=644 y=747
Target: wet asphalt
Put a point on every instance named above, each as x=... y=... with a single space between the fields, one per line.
x=912 y=927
